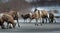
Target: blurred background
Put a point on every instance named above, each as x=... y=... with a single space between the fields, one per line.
x=26 y=6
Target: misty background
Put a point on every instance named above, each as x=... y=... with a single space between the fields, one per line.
x=27 y=6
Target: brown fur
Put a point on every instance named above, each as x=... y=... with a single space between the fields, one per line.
x=9 y=19
x=51 y=18
x=41 y=14
x=14 y=15
x=44 y=15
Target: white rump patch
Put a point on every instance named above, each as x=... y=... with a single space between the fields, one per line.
x=48 y=15
x=30 y=13
x=1 y=14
